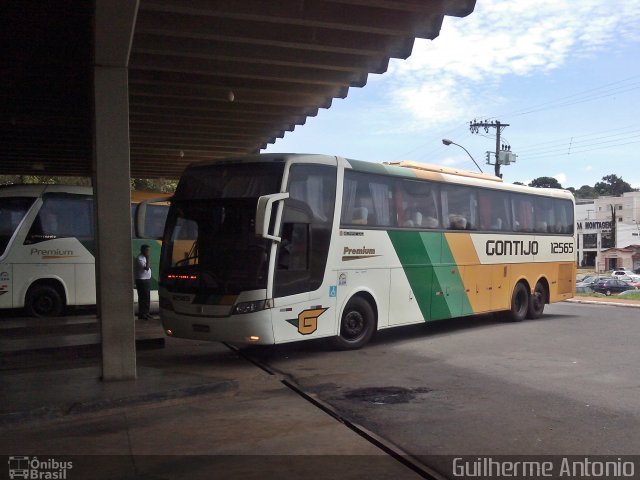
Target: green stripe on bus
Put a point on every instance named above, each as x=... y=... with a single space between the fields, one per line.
x=432 y=273
x=413 y=251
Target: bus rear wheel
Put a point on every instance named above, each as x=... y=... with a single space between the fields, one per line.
x=537 y=301
x=519 y=303
x=357 y=325
x=43 y=301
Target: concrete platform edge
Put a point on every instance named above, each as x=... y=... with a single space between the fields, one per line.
x=61 y=411
x=595 y=302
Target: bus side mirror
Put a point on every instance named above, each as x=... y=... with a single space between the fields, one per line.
x=141 y=215
x=263 y=214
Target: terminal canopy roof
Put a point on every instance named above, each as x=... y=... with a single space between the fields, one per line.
x=207 y=78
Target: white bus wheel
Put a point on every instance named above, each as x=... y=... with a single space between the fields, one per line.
x=537 y=301
x=357 y=325
x=519 y=303
x=43 y=301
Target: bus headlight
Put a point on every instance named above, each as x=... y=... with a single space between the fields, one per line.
x=248 y=307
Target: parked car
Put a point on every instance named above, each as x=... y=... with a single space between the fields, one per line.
x=621 y=271
x=609 y=286
x=589 y=280
x=632 y=279
x=629 y=293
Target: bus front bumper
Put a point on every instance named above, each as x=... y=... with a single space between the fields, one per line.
x=251 y=329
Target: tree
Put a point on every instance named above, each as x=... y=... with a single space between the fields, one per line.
x=518 y=183
x=545 y=182
x=145 y=184
x=586 y=191
x=612 y=185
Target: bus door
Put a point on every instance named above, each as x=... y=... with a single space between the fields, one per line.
x=304 y=302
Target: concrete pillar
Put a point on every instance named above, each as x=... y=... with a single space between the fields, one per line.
x=114 y=24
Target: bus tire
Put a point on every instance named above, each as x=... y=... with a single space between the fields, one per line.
x=43 y=301
x=537 y=301
x=357 y=325
x=519 y=303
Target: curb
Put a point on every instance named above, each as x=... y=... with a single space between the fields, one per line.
x=596 y=302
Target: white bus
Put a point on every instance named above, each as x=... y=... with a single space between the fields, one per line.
x=47 y=247
x=279 y=247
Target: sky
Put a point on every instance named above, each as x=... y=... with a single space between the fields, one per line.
x=563 y=74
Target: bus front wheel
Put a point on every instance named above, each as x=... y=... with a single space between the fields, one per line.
x=519 y=303
x=43 y=301
x=357 y=325
x=537 y=301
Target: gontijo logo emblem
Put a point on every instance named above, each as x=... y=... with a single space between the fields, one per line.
x=307 y=321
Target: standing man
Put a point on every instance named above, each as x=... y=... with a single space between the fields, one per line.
x=142 y=273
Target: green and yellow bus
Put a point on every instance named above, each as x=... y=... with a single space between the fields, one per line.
x=284 y=247
x=47 y=246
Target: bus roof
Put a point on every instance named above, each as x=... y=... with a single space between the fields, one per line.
x=440 y=174
x=403 y=168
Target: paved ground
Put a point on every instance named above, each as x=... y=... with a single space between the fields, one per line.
x=564 y=384
x=239 y=409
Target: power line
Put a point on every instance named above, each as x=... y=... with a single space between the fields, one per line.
x=566 y=101
x=632 y=129
x=578 y=144
x=555 y=154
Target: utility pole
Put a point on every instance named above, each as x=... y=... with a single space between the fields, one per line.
x=475 y=126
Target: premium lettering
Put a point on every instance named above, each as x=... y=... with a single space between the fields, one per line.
x=359 y=251
x=55 y=252
x=511 y=247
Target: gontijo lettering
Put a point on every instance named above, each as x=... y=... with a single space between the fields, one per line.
x=511 y=247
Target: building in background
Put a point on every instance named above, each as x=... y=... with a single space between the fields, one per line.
x=596 y=220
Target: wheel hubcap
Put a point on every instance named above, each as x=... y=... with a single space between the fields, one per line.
x=44 y=304
x=353 y=325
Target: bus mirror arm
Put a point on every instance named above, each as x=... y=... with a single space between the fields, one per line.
x=263 y=214
x=141 y=215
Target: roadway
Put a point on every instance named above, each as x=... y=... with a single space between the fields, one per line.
x=565 y=384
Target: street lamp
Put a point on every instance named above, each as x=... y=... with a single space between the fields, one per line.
x=448 y=142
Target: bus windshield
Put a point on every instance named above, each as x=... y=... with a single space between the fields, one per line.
x=12 y=211
x=214 y=208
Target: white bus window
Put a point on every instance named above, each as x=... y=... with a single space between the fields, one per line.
x=461 y=207
x=563 y=211
x=63 y=216
x=12 y=211
x=522 y=206
x=417 y=205
x=545 y=221
x=367 y=200
x=493 y=210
